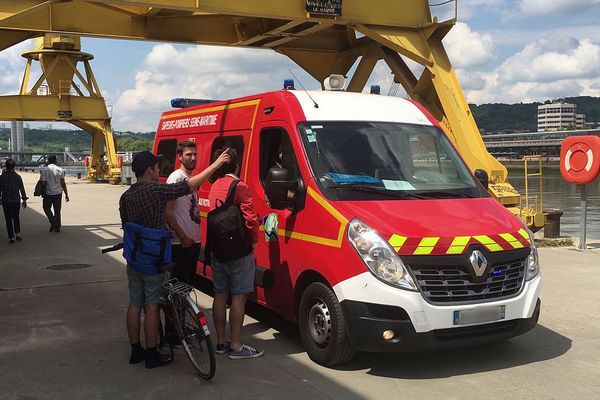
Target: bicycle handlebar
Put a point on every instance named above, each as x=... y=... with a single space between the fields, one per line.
x=116 y=247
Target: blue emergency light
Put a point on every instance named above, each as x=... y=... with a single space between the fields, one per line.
x=375 y=89
x=180 y=102
x=288 y=84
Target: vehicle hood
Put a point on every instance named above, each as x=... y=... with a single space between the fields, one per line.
x=444 y=223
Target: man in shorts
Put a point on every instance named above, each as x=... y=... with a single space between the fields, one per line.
x=144 y=204
x=236 y=276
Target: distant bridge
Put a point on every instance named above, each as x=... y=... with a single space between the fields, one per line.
x=517 y=145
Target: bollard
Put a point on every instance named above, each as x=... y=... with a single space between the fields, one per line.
x=128 y=181
x=552 y=223
x=79 y=175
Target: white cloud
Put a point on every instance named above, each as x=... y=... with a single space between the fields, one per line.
x=12 y=67
x=546 y=61
x=468 y=49
x=565 y=7
x=542 y=70
x=199 y=72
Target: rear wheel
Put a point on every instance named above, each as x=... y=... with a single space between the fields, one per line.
x=323 y=327
x=196 y=341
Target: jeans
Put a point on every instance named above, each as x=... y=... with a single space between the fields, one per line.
x=53 y=201
x=186 y=259
x=11 y=214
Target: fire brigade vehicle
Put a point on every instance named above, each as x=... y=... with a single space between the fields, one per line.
x=376 y=236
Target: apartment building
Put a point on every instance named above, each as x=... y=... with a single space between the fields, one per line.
x=559 y=116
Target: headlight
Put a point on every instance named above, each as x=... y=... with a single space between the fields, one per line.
x=533 y=261
x=379 y=256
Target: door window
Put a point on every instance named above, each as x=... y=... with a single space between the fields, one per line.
x=168 y=149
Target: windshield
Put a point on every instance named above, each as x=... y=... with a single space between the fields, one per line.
x=379 y=160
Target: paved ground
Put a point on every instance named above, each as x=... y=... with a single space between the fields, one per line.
x=62 y=333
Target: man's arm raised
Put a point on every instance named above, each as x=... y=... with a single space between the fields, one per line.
x=197 y=180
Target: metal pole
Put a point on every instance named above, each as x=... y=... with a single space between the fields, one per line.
x=583 y=221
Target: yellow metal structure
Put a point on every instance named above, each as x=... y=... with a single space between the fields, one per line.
x=534 y=203
x=55 y=96
x=341 y=35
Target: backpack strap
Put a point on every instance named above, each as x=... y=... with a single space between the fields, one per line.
x=231 y=192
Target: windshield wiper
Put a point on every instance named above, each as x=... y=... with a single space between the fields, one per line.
x=445 y=194
x=376 y=189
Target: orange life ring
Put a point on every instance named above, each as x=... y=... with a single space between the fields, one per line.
x=580 y=159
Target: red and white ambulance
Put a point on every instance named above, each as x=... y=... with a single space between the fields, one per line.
x=376 y=236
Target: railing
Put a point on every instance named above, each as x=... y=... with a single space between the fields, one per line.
x=536 y=202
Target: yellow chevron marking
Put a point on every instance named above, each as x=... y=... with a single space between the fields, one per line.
x=458 y=245
x=426 y=245
x=397 y=241
x=512 y=240
x=524 y=233
x=488 y=242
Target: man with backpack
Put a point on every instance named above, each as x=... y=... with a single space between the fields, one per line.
x=232 y=232
x=146 y=245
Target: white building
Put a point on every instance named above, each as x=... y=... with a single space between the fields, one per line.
x=559 y=116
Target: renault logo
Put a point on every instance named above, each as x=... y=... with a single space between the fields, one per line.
x=478 y=262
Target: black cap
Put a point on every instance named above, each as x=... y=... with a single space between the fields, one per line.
x=144 y=160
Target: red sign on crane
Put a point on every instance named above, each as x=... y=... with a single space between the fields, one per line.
x=580 y=159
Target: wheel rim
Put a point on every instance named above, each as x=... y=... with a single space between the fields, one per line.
x=319 y=323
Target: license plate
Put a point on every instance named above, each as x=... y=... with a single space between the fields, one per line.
x=479 y=315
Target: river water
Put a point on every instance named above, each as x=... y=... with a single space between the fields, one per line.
x=562 y=195
x=557 y=194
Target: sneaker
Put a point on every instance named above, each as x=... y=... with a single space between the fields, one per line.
x=154 y=359
x=11 y=240
x=245 y=352
x=223 y=348
x=19 y=239
x=137 y=355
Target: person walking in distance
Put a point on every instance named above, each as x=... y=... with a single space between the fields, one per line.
x=231 y=254
x=11 y=185
x=143 y=205
x=183 y=217
x=53 y=182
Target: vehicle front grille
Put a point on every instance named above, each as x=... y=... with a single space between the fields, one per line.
x=456 y=284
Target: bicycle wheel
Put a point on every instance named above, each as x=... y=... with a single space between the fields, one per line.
x=196 y=339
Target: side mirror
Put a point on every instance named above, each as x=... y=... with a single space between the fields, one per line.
x=277 y=187
x=482 y=177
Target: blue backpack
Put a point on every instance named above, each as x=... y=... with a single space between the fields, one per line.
x=145 y=249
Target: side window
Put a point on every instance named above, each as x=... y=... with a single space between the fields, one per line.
x=168 y=148
x=234 y=142
x=276 y=151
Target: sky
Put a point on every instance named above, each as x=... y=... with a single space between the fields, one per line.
x=503 y=51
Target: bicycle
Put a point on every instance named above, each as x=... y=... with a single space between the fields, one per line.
x=180 y=308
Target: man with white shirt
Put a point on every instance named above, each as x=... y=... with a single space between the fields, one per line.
x=53 y=182
x=183 y=217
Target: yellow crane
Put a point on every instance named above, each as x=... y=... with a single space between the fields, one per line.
x=56 y=96
x=323 y=37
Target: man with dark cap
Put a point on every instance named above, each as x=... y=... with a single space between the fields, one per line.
x=144 y=204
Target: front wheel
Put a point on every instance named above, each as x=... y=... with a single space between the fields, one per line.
x=323 y=327
x=196 y=341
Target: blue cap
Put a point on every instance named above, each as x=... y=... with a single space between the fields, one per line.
x=144 y=160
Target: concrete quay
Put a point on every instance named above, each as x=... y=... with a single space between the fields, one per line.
x=62 y=331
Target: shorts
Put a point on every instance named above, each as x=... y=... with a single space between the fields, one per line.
x=235 y=276
x=144 y=289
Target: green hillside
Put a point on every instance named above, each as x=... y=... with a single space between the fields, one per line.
x=57 y=140
x=523 y=117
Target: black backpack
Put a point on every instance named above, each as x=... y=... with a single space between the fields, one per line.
x=227 y=237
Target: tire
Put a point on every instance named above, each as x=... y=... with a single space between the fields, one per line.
x=322 y=326
x=196 y=342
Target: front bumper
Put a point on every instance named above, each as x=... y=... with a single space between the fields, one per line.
x=366 y=323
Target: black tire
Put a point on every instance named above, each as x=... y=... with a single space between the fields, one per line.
x=196 y=343
x=322 y=326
